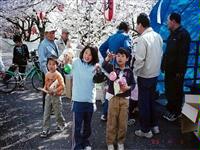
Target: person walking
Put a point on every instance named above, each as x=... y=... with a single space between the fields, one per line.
x=174 y=64
x=147 y=63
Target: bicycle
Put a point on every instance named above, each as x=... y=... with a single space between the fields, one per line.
x=9 y=80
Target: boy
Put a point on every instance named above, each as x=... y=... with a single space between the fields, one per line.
x=118 y=94
x=54 y=86
x=20 y=53
x=20 y=56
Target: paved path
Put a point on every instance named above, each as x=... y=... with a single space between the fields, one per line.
x=21 y=118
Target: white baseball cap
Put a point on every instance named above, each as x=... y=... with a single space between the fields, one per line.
x=50 y=27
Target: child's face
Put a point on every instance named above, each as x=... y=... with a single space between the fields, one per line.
x=87 y=56
x=52 y=66
x=121 y=59
x=18 y=43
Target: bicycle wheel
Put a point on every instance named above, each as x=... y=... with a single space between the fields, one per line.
x=37 y=80
x=8 y=83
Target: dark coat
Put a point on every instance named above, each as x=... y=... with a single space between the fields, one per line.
x=20 y=55
x=176 y=55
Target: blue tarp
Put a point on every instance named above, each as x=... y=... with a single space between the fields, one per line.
x=190 y=15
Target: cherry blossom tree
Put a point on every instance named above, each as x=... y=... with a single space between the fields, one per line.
x=84 y=18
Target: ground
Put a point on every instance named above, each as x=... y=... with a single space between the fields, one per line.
x=21 y=119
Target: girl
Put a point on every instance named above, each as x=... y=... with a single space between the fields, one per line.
x=83 y=96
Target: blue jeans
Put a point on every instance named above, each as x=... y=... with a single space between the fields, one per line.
x=81 y=130
x=146 y=103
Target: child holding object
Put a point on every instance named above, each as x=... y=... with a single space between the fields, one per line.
x=121 y=82
x=83 y=96
x=54 y=86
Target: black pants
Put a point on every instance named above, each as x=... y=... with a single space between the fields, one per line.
x=132 y=105
x=174 y=92
x=81 y=130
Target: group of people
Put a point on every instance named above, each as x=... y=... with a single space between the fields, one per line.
x=122 y=80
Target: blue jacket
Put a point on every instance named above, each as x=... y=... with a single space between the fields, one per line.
x=83 y=88
x=115 y=41
x=45 y=50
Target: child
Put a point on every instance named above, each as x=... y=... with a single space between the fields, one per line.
x=20 y=53
x=83 y=96
x=54 y=86
x=118 y=93
x=20 y=56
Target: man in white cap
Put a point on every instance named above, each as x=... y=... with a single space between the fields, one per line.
x=46 y=49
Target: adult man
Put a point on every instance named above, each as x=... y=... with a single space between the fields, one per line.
x=174 y=65
x=63 y=43
x=120 y=39
x=148 y=57
x=46 y=49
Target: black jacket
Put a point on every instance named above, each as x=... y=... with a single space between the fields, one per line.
x=176 y=55
x=20 y=55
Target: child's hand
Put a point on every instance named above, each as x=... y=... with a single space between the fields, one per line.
x=124 y=88
x=51 y=92
x=110 y=56
x=43 y=90
x=97 y=67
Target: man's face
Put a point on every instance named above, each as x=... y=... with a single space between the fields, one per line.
x=170 y=24
x=139 y=28
x=65 y=36
x=51 y=35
